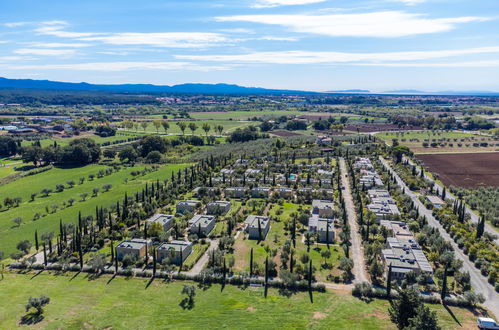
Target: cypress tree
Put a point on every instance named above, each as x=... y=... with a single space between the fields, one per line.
x=291 y=261
x=480 y=228
x=147 y=255
x=259 y=230
x=36 y=240
x=389 y=282
x=44 y=254
x=80 y=252
x=444 y=286
x=112 y=251
x=251 y=262
x=224 y=271
x=116 y=264
x=266 y=275
x=444 y=193
x=154 y=262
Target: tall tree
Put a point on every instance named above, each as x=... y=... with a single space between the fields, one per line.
x=389 y=282
x=251 y=262
x=443 y=293
x=480 y=228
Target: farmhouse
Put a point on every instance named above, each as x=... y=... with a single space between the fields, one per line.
x=135 y=248
x=218 y=208
x=177 y=251
x=323 y=208
x=235 y=192
x=188 y=206
x=436 y=201
x=260 y=192
x=201 y=224
x=165 y=220
x=254 y=231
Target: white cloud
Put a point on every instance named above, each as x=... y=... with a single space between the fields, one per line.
x=119 y=66
x=44 y=51
x=410 y=2
x=162 y=39
x=387 y=24
x=58 y=45
x=464 y=64
x=155 y=39
x=275 y=3
x=15 y=24
x=308 y=57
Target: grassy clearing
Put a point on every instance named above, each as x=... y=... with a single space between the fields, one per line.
x=130 y=304
x=10 y=235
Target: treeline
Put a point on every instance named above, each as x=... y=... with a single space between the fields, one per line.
x=78 y=152
x=43 y=97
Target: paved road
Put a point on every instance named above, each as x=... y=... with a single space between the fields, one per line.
x=357 y=253
x=199 y=266
x=473 y=216
x=479 y=282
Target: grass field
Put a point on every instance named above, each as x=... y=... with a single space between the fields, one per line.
x=65 y=141
x=10 y=235
x=80 y=302
x=443 y=142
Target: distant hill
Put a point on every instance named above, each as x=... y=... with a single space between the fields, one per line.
x=141 y=88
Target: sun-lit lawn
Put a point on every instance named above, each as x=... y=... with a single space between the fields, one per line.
x=80 y=302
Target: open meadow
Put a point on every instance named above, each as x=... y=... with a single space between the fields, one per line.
x=78 y=301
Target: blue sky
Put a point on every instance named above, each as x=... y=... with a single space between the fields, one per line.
x=296 y=44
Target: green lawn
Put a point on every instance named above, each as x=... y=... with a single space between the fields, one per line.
x=10 y=235
x=121 y=303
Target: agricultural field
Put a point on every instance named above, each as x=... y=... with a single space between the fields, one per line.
x=422 y=142
x=95 y=303
x=468 y=170
x=43 y=213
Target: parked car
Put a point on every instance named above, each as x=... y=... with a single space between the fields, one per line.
x=487 y=323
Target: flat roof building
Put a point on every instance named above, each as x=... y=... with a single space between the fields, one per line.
x=255 y=231
x=165 y=220
x=201 y=224
x=177 y=251
x=188 y=206
x=218 y=208
x=323 y=208
x=136 y=248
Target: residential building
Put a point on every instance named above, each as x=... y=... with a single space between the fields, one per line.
x=254 y=230
x=135 y=248
x=325 y=230
x=436 y=201
x=201 y=224
x=177 y=251
x=188 y=206
x=235 y=192
x=218 y=208
x=284 y=192
x=323 y=208
x=260 y=192
x=165 y=220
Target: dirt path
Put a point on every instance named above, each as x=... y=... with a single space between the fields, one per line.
x=357 y=253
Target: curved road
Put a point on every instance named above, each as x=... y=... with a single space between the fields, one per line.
x=479 y=282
